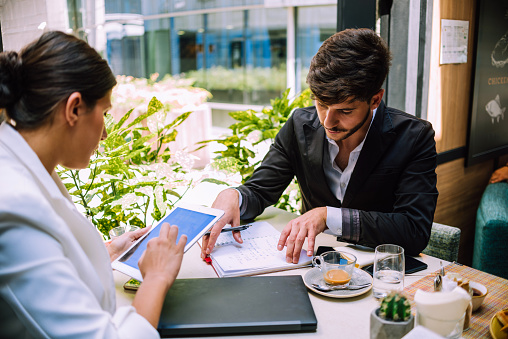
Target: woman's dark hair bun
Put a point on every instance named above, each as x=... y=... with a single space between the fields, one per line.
x=10 y=79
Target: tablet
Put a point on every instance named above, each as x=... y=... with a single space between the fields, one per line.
x=192 y=220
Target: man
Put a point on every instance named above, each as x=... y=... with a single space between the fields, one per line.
x=366 y=171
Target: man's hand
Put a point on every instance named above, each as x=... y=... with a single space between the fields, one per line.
x=501 y=174
x=293 y=235
x=122 y=243
x=228 y=201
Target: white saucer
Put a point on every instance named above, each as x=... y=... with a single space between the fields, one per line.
x=314 y=276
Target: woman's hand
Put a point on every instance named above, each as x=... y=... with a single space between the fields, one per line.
x=163 y=256
x=159 y=266
x=501 y=174
x=122 y=243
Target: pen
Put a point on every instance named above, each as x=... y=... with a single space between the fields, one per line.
x=232 y=229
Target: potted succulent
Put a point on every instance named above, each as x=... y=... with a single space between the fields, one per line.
x=393 y=318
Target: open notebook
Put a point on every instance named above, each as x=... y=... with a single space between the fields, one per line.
x=258 y=253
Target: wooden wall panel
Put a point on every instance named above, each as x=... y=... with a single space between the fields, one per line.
x=455 y=111
x=460 y=188
x=451 y=83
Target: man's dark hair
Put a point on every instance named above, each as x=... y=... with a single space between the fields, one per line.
x=350 y=65
x=45 y=73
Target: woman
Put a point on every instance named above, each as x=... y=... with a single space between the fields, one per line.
x=499 y=175
x=55 y=273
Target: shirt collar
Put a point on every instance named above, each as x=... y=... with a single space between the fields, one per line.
x=20 y=149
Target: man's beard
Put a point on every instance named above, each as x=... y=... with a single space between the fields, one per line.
x=354 y=129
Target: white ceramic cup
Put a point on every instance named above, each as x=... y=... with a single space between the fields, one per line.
x=388 y=272
x=480 y=291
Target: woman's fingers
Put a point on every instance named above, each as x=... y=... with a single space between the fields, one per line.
x=165 y=230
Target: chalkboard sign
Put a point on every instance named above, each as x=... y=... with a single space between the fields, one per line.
x=488 y=126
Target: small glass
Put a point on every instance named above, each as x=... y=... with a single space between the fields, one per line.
x=337 y=267
x=119 y=230
x=388 y=270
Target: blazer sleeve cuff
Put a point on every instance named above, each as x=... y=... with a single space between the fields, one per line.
x=132 y=325
x=350 y=226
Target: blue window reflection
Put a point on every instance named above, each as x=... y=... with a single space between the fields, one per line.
x=240 y=56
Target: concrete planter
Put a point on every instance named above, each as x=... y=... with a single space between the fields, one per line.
x=386 y=329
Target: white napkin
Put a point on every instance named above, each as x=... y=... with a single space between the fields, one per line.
x=440 y=311
x=420 y=332
x=448 y=285
x=442 y=305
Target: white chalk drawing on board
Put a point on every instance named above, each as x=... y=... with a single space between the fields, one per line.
x=499 y=55
x=494 y=109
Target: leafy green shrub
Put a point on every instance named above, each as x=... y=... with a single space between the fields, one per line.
x=253 y=128
x=240 y=78
x=134 y=177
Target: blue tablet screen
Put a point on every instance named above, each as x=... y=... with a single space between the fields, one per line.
x=190 y=223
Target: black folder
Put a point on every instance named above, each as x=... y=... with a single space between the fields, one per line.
x=240 y=305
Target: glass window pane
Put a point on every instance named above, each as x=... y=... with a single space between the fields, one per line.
x=239 y=56
x=175 y=6
x=315 y=25
x=158 y=47
x=242 y=56
x=124 y=47
x=122 y=6
x=186 y=43
x=266 y=52
x=124 y=32
x=221 y=56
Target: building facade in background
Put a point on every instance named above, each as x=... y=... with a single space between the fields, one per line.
x=245 y=52
x=242 y=51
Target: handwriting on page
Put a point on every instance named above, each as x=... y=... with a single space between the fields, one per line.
x=259 y=252
x=258 y=230
x=259 y=249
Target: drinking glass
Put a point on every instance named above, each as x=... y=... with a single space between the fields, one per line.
x=388 y=270
x=118 y=231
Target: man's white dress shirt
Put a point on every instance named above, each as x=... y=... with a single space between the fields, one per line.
x=338 y=179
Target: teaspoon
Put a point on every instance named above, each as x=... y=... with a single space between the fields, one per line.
x=325 y=288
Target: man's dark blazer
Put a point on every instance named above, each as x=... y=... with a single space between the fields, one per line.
x=391 y=196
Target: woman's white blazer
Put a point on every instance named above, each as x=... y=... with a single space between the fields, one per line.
x=55 y=273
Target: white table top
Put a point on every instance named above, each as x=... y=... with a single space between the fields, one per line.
x=344 y=318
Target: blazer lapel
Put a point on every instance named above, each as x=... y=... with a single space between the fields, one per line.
x=315 y=139
x=380 y=136
x=82 y=230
